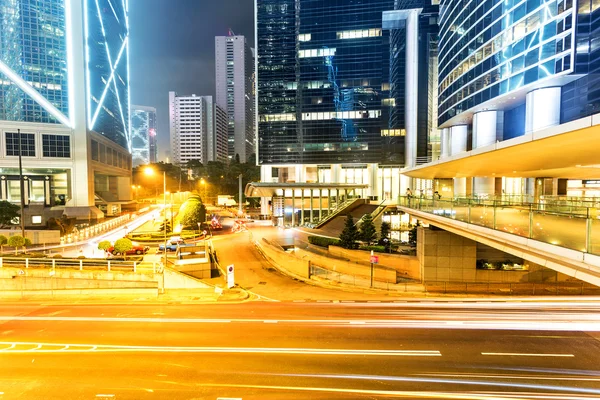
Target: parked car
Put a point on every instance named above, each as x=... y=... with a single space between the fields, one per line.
x=135 y=250
x=171 y=245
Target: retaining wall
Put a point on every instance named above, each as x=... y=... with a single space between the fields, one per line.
x=288 y=261
x=406 y=266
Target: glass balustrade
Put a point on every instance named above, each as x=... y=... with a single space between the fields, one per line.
x=562 y=223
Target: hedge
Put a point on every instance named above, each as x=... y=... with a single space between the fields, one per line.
x=323 y=241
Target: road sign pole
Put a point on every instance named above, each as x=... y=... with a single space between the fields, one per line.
x=371 y=268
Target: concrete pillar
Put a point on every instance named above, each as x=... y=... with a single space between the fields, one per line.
x=266 y=173
x=412 y=86
x=460 y=187
x=311 y=206
x=458 y=139
x=293 y=207
x=320 y=204
x=299 y=173
x=336 y=173
x=445 y=143
x=542 y=109
x=484 y=128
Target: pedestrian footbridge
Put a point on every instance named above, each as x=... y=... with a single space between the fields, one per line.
x=563 y=238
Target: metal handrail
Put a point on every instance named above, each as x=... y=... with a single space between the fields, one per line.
x=335 y=212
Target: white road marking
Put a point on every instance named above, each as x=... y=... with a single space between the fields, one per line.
x=269 y=321
x=528 y=354
x=252 y=350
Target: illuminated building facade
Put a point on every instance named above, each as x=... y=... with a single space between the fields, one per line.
x=143 y=135
x=64 y=84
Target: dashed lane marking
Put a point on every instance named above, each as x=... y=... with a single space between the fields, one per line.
x=528 y=354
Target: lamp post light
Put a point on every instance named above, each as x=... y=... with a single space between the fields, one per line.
x=149 y=171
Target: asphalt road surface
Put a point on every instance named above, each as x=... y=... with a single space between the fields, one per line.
x=266 y=350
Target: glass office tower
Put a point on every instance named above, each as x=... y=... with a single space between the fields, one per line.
x=64 y=84
x=323 y=80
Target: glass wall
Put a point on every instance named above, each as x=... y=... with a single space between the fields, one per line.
x=33 y=46
x=326 y=58
x=490 y=48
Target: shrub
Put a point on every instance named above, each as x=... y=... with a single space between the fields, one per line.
x=27 y=242
x=323 y=241
x=16 y=241
x=377 y=249
x=123 y=245
x=3 y=240
x=104 y=245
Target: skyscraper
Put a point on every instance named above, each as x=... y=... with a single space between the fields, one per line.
x=198 y=129
x=331 y=91
x=64 y=83
x=508 y=70
x=234 y=80
x=143 y=135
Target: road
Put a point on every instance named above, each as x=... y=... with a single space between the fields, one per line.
x=265 y=350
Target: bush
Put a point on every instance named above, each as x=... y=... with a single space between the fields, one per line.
x=377 y=249
x=57 y=256
x=3 y=240
x=123 y=245
x=16 y=241
x=104 y=245
x=323 y=241
x=27 y=242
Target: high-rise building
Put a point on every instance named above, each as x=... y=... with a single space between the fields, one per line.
x=508 y=70
x=143 y=135
x=64 y=84
x=331 y=90
x=235 y=87
x=198 y=129
x=519 y=113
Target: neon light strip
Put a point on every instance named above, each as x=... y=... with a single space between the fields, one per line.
x=34 y=94
x=129 y=144
x=87 y=63
x=70 y=62
x=113 y=68
x=112 y=76
x=113 y=10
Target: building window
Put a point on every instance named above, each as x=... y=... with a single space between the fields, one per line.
x=306 y=37
x=359 y=34
x=36 y=219
x=27 y=144
x=94 y=150
x=58 y=146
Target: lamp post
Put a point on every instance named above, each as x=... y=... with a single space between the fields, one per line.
x=21 y=187
x=150 y=171
x=203 y=183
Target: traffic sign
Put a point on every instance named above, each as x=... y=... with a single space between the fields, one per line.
x=375 y=259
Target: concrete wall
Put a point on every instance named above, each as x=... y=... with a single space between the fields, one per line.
x=380 y=273
x=288 y=261
x=178 y=280
x=36 y=237
x=447 y=257
x=40 y=279
x=406 y=266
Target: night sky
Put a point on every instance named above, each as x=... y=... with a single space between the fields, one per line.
x=173 y=48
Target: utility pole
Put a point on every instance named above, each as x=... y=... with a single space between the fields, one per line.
x=22 y=187
x=240 y=194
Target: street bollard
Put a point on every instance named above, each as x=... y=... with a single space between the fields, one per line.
x=27 y=263
x=108 y=265
x=135 y=266
x=81 y=265
x=53 y=263
x=1 y=261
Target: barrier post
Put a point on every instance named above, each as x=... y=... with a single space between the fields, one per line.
x=81 y=265
x=135 y=266
x=108 y=265
x=27 y=263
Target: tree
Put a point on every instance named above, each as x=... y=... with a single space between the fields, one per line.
x=412 y=235
x=384 y=235
x=3 y=241
x=64 y=224
x=16 y=242
x=8 y=213
x=123 y=245
x=191 y=213
x=368 y=233
x=104 y=245
x=350 y=234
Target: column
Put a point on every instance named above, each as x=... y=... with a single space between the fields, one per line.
x=460 y=187
x=484 y=134
x=458 y=139
x=445 y=143
x=336 y=172
x=542 y=109
x=320 y=204
x=484 y=128
x=293 y=207
x=302 y=209
x=412 y=86
x=311 y=206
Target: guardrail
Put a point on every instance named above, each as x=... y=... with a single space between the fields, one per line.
x=335 y=212
x=81 y=264
x=572 y=227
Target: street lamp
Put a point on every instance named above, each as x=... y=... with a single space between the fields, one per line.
x=150 y=172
